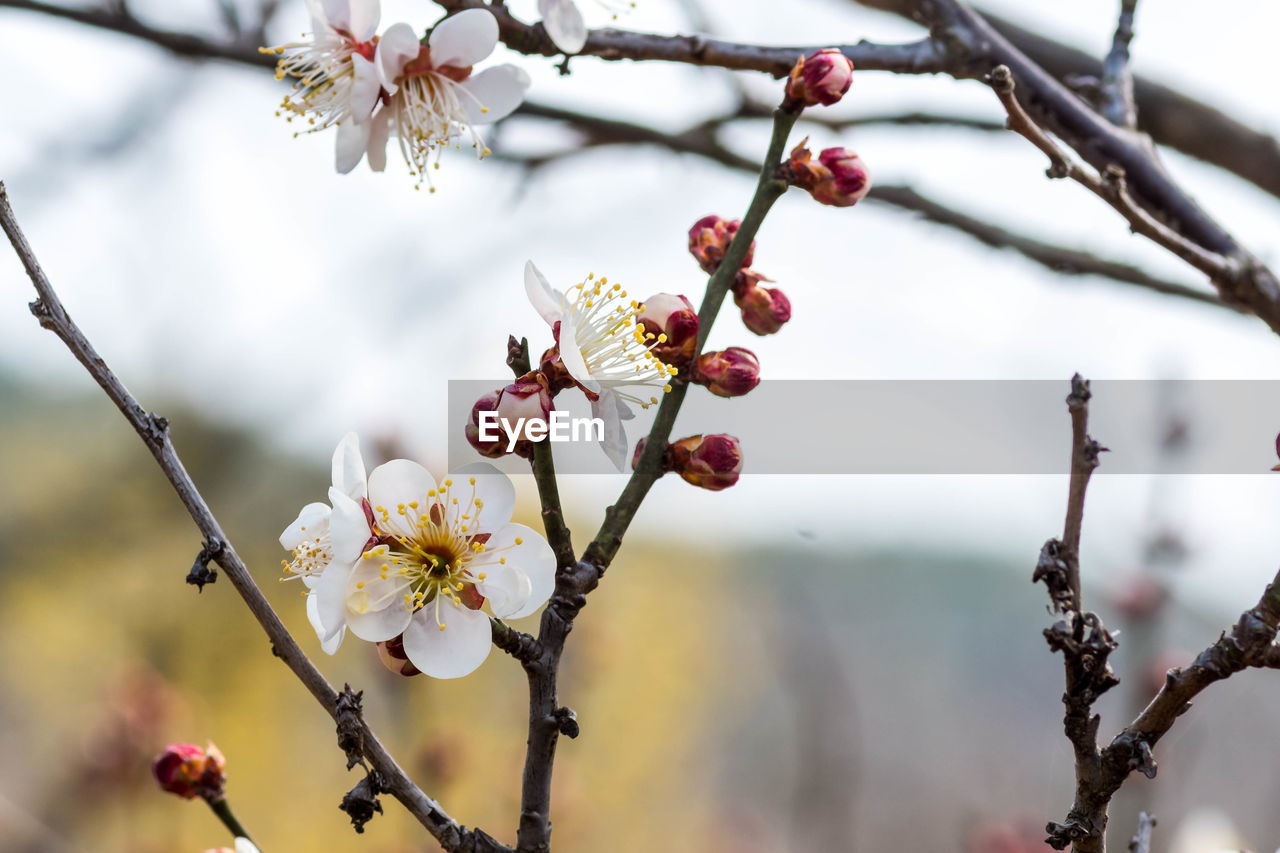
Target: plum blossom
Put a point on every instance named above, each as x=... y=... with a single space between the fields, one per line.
x=434 y=555
x=311 y=537
x=334 y=79
x=603 y=349
x=431 y=96
x=563 y=21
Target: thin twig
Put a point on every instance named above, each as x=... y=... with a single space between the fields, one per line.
x=154 y=432
x=1117 y=77
x=1141 y=842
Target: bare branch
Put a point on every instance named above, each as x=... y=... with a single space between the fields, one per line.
x=154 y=432
x=1117 y=78
x=1141 y=842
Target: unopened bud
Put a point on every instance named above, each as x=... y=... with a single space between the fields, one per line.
x=729 y=373
x=493 y=447
x=189 y=771
x=670 y=324
x=393 y=657
x=526 y=398
x=838 y=177
x=709 y=239
x=822 y=77
x=764 y=309
x=709 y=462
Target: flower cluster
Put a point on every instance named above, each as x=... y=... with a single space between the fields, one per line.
x=399 y=558
x=374 y=87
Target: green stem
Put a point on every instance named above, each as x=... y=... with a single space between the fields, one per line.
x=224 y=813
x=649 y=468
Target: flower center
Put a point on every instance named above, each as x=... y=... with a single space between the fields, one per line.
x=421 y=66
x=616 y=349
x=310 y=558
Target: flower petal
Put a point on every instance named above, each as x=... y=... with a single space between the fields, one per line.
x=463 y=39
x=379 y=133
x=365 y=88
x=330 y=645
x=564 y=24
x=363 y=20
x=398 y=46
x=348 y=528
x=376 y=609
x=348 y=468
x=546 y=300
x=533 y=558
x=497 y=92
x=244 y=845
x=312 y=521
x=330 y=596
x=492 y=488
x=456 y=651
x=353 y=138
x=614 y=443
x=397 y=484
x=333 y=14
x=571 y=354
x=506 y=588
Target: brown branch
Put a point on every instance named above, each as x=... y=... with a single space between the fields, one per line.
x=154 y=432
x=1117 y=78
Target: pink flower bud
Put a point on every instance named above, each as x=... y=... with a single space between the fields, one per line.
x=671 y=324
x=730 y=373
x=820 y=78
x=838 y=178
x=527 y=398
x=764 y=309
x=189 y=771
x=709 y=239
x=709 y=462
x=493 y=447
x=393 y=657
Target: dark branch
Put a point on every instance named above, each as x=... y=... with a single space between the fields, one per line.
x=1117 y=78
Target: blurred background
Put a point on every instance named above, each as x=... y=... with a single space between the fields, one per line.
x=846 y=662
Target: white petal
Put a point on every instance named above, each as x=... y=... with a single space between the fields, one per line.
x=463 y=39
x=507 y=589
x=348 y=528
x=375 y=607
x=454 y=652
x=335 y=14
x=348 y=468
x=614 y=443
x=398 y=46
x=353 y=138
x=546 y=300
x=315 y=518
x=244 y=845
x=571 y=354
x=330 y=597
x=494 y=490
x=379 y=133
x=364 y=88
x=533 y=557
x=564 y=24
x=330 y=645
x=497 y=90
x=397 y=483
x=364 y=19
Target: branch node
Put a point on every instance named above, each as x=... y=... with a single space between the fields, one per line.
x=201 y=572
x=350 y=727
x=361 y=803
x=567 y=722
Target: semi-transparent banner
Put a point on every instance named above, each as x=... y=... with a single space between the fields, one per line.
x=813 y=427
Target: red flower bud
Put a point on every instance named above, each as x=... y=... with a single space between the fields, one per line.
x=764 y=309
x=671 y=323
x=820 y=78
x=493 y=447
x=838 y=178
x=189 y=771
x=709 y=462
x=730 y=373
x=393 y=657
x=709 y=239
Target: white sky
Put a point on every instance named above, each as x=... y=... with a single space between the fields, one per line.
x=221 y=262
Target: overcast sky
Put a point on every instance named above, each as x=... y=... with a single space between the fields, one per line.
x=214 y=259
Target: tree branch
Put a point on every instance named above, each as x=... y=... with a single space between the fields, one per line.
x=1117 y=78
x=154 y=432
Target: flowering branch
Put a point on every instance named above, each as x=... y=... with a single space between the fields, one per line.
x=154 y=432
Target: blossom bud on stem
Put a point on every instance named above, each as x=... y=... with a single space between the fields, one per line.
x=188 y=771
x=670 y=324
x=822 y=77
x=839 y=177
x=710 y=462
x=709 y=239
x=729 y=373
